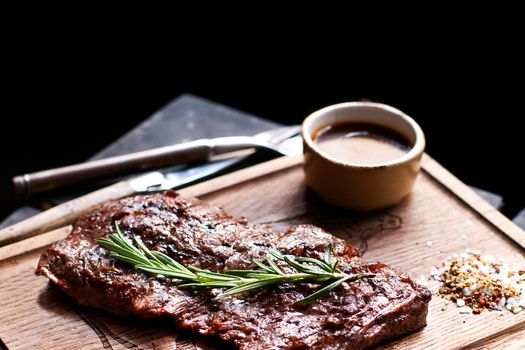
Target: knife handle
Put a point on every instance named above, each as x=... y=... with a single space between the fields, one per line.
x=29 y=184
x=63 y=214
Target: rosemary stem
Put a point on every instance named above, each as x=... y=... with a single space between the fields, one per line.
x=290 y=277
x=310 y=277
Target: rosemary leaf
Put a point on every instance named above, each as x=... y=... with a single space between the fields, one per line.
x=217 y=276
x=334 y=267
x=322 y=292
x=212 y=284
x=319 y=263
x=126 y=259
x=300 y=267
x=328 y=254
x=276 y=254
x=166 y=272
x=262 y=266
x=274 y=265
x=241 y=273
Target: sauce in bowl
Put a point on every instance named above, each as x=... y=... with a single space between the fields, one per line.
x=361 y=143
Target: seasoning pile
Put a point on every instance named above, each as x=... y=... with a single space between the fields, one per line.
x=479 y=283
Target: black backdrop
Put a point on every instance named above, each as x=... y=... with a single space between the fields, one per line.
x=66 y=109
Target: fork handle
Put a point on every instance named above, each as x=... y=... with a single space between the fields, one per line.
x=188 y=152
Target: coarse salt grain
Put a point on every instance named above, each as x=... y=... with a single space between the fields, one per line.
x=422 y=281
x=465 y=310
x=501 y=303
x=434 y=272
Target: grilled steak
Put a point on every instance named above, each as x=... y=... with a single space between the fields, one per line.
x=355 y=315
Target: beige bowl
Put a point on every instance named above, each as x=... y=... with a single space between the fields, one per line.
x=355 y=186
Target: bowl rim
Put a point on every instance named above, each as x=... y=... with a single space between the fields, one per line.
x=415 y=152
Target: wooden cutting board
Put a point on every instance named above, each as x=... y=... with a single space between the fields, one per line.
x=441 y=217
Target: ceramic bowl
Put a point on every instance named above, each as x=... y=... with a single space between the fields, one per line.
x=355 y=186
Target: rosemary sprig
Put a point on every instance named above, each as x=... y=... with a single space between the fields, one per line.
x=299 y=270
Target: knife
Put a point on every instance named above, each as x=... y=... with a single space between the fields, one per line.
x=67 y=212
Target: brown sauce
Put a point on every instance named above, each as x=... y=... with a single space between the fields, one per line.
x=361 y=143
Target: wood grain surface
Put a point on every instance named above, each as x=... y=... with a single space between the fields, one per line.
x=441 y=217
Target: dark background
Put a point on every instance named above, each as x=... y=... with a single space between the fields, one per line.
x=66 y=106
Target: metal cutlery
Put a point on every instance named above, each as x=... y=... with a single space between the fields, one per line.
x=189 y=152
x=67 y=212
